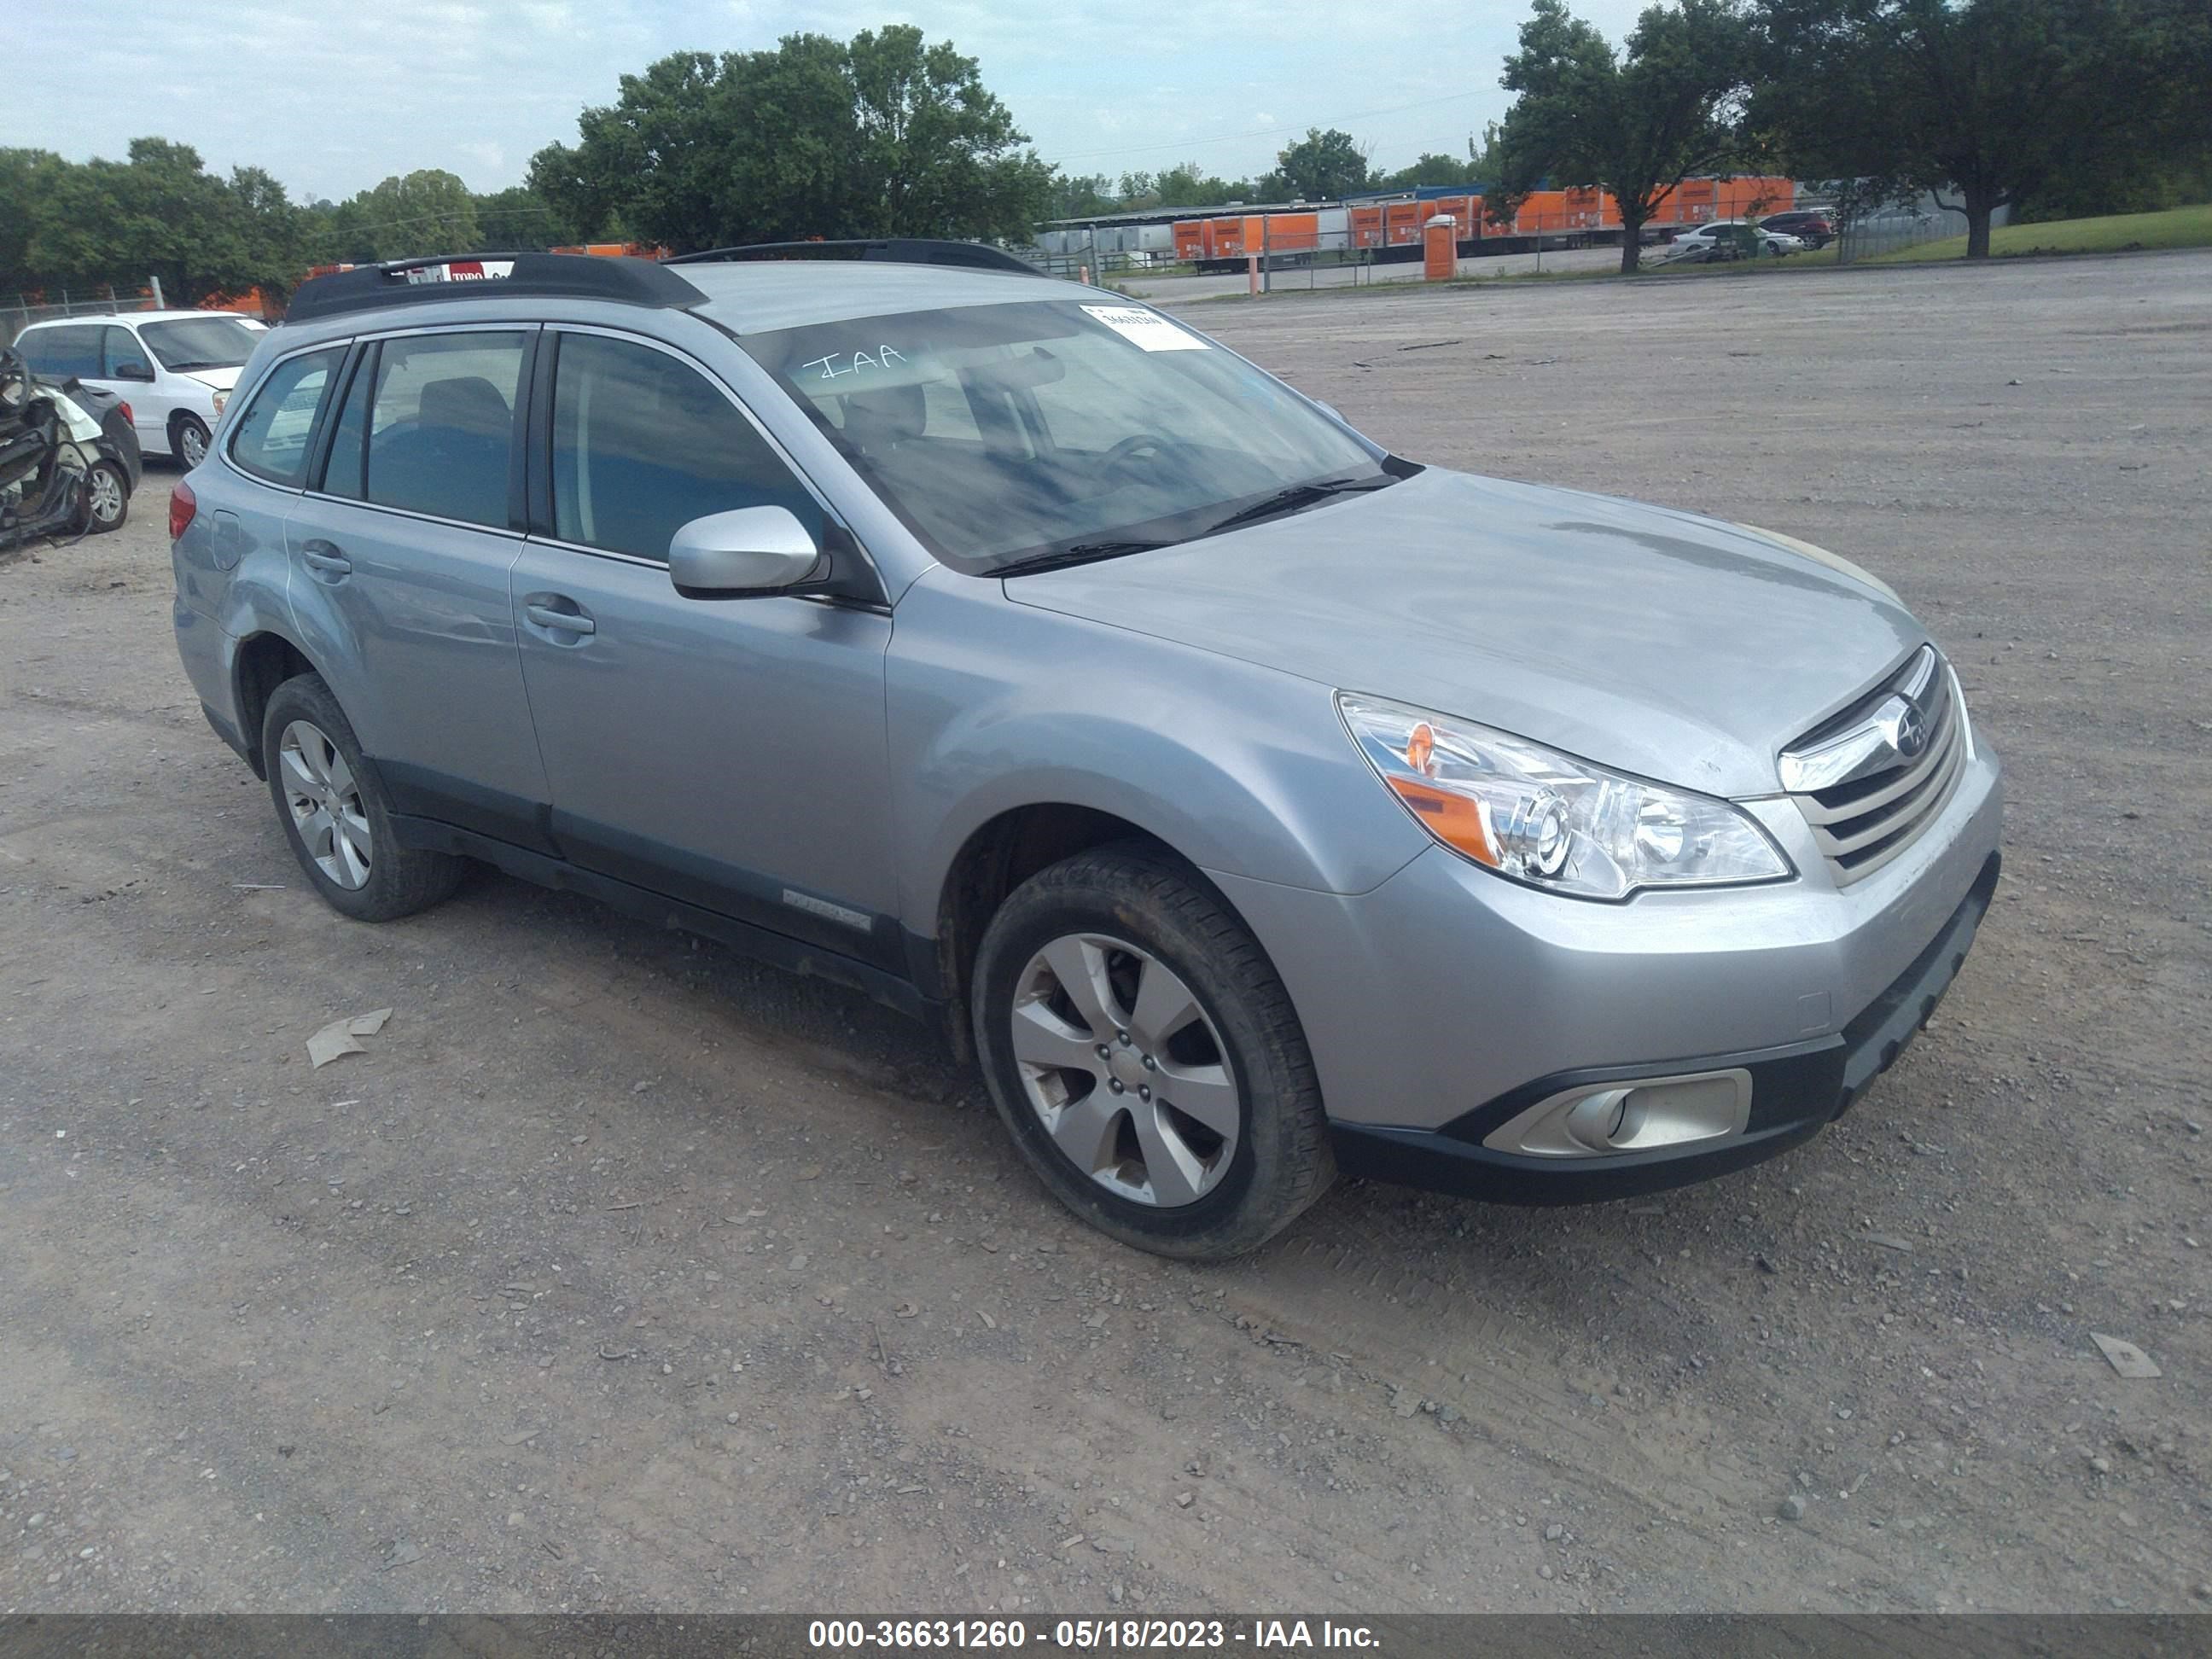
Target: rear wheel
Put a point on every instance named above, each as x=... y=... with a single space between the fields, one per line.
x=336 y=816
x=107 y=496
x=1146 y=1058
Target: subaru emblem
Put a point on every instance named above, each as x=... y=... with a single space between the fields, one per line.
x=1911 y=733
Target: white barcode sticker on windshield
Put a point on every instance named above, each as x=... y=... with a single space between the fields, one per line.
x=1147 y=328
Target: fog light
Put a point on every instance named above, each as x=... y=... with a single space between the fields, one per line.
x=1637 y=1115
x=1596 y=1120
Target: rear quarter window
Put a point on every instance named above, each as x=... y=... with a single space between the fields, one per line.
x=277 y=429
x=62 y=352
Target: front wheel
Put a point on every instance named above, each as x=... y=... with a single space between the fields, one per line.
x=1145 y=1056
x=188 y=441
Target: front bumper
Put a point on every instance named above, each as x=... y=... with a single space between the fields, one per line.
x=1443 y=1003
x=1794 y=1092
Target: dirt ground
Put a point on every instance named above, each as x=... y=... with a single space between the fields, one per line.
x=621 y=1274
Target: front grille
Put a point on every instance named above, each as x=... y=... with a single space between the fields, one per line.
x=1870 y=816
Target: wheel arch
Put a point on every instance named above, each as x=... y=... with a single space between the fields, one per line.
x=998 y=855
x=262 y=662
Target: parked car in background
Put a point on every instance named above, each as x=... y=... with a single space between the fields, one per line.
x=1730 y=239
x=112 y=472
x=175 y=368
x=1814 y=227
x=61 y=475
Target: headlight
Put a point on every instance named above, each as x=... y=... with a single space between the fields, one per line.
x=221 y=398
x=1550 y=820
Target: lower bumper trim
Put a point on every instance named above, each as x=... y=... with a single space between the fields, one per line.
x=1795 y=1092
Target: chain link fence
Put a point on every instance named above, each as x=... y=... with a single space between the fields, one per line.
x=1888 y=227
x=19 y=311
x=1271 y=252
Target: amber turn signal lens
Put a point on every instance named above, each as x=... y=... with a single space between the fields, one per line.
x=1459 y=823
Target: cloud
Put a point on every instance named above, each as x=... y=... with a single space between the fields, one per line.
x=331 y=98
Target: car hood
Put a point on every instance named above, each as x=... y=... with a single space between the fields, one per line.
x=1677 y=647
x=221 y=379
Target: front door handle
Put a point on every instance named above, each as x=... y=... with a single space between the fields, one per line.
x=324 y=559
x=548 y=612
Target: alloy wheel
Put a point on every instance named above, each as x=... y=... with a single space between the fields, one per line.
x=1125 y=1070
x=325 y=800
x=191 y=441
x=107 y=496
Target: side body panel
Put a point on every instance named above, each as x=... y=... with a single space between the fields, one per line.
x=995 y=705
x=418 y=642
x=728 y=751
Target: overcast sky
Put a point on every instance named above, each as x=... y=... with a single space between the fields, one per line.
x=331 y=98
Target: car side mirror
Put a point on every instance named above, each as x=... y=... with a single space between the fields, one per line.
x=133 y=372
x=750 y=550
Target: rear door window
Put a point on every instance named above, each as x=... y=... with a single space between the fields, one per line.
x=643 y=444
x=441 y=425
x=274 y=434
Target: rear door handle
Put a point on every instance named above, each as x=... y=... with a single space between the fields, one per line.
x=324 y=558
x=546 y=610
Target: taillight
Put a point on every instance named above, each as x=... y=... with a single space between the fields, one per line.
x=123 y=409
x=182 y=505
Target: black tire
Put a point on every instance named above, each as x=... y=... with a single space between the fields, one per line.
x=400 y=880
x=179 y=439
x=1282 y=1162
x=120 y=482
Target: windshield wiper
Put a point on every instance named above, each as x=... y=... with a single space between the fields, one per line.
x=1081 y=553
x=1296 y=496
x=1283 y=501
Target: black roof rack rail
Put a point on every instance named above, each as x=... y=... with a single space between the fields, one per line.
x=885 y=250
x=467 y=276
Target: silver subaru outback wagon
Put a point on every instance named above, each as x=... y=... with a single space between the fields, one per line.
x=1254 y=804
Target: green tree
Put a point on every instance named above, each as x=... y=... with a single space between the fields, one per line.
x=518 y=220
x=1637 y=122
x=160 y=214
x=1484 y=159
x=1428 y=168
x=427 y=212
x=28 y=179
x=1992 y=100
x=885 y=134
x=1078 y=195
x=1323 y=166
x=1189 y=184
x=938 y=149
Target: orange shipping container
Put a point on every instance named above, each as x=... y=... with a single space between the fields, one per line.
x=1293 y=232
x=1403 y=223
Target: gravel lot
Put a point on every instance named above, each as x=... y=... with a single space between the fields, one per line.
x=620 y=1273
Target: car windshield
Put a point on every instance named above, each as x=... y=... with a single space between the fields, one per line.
x=1048 y=430
x=192 y=342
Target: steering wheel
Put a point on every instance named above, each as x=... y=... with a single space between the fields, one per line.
x=1121 y=456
